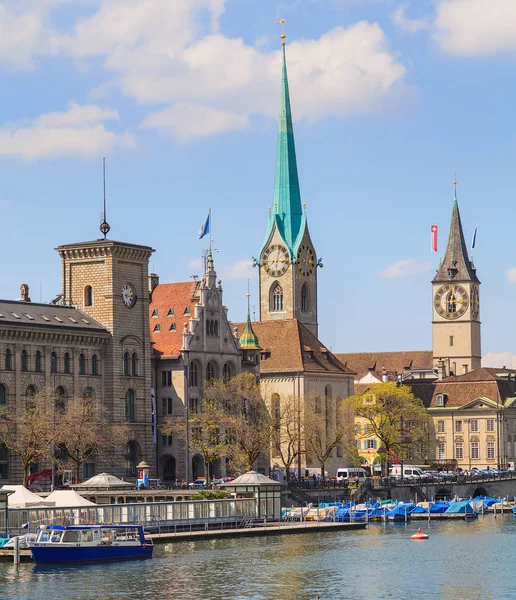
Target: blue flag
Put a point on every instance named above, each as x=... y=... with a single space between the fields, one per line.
x=474 y=238
x=205 y=227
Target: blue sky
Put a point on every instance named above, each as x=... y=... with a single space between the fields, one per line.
x=182 y=96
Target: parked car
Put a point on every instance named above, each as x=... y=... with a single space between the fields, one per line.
x=198 y=484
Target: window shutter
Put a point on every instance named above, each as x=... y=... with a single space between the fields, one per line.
x=374 y=444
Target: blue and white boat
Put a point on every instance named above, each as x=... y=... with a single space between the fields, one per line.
x=90 y=543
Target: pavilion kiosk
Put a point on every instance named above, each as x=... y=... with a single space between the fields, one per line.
x=266 y=491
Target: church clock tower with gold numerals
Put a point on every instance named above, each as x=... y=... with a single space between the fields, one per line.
x=456 y=307
x=287 y=260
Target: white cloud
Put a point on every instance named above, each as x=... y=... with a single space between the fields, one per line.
x=195 y=265
x=475 y=27
x=20 y=35
x=511 y=275
x=407 y=24
x=239 y=270
x=404 y=268
x=499 y=360
x=190 y=121
x=77 y=132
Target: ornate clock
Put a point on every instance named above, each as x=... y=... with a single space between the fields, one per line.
x=275 y=260
x=305 y=260
x=451 y=301
x=128 y=295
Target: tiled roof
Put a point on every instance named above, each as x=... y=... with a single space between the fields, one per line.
x=394 y=362
x=480 y=383
x=15 y=313
x=178 y=297
x=289 y=346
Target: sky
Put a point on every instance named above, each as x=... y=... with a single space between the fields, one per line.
x=182 y=98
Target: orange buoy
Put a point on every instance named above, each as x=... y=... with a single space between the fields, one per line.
x=419 y=535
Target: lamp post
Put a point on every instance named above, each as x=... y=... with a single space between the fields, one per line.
x=53 y=368
x=187 y=417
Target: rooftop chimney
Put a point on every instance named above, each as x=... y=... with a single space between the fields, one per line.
x=153 y=281
x=24 y=291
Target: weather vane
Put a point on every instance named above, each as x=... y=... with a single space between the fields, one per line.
x=283 y=36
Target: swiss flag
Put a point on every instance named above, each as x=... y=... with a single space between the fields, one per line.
x=433 y=231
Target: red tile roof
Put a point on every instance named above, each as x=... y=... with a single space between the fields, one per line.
x=178 y=296
x=393 y=362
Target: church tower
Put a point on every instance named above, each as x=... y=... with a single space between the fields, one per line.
x=456 y=308
x=287 y=260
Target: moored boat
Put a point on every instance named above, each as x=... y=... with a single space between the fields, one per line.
x=90 y=543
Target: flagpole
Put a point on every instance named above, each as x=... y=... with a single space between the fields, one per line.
x=209 y=221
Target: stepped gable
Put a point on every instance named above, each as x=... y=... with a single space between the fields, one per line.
x=394 y=362
x=287 y=346
x=174 y=303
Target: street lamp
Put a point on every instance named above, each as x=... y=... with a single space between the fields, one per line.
x=53 y=368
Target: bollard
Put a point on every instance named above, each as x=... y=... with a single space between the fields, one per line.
x=16 y=550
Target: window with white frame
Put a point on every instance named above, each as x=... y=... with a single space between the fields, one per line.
x=459 y=452
x=490 y=425
x=440 y=426
x=441 y=451
x=474 y=450
x=371 y=444
x=490 y=450
x=473 y=425
x=458 y=426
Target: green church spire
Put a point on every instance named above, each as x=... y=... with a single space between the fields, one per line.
x=249 y=339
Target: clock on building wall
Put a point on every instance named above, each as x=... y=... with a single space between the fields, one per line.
x=451 y=301
x=305 y=260
x=128 y=295
x=275 y=260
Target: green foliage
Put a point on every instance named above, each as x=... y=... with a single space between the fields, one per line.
x=212 y=495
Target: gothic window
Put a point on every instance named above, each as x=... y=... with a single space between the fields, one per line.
x=211 y=371
x=82 y=364
x=134 y=364
x=37 y=362
x=126 y=363
x=3 y=395
x=30 y=392
x=276 y=303
x=8 y=360
x=216 y=329
x=194 y=374
x=88 y=296
x=88 y=393
x=94 y=365
x=129 y=406
x=227 y=372
x=53 y=362
x=60 y=399
x=304 y=298
x=67 y=363
x=451 y=304
x=208 y=327
x=24 y=361
x=132 y=458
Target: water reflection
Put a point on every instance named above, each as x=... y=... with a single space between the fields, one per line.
x=470 y=560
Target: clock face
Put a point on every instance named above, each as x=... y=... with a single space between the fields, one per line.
x=305 y=260
x=475 y=304
x=128 y=295
x=451 y=301
x=275 y=260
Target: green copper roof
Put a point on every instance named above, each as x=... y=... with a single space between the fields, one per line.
x=249 y=339
x=287 y=212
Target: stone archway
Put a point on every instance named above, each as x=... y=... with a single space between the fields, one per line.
x=480 y=491
x=443 y=493
x=197 y=467
x=168 y=469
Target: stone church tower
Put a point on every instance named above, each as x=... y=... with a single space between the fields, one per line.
x=456 y=308
x=287 y=260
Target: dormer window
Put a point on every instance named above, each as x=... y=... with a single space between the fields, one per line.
x=172 y=327
x=157 y=328
x=186 y=311
x=170 y=312
x=155 y=313
x=440 y=399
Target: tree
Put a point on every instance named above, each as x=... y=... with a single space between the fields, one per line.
x=285 y=432
x=28 y=431
x=397 y=418
x=324 y=431
x=248 y=421
x=83 y=433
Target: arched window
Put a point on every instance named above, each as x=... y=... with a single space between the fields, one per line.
x=94 y=365
x=451 y=304
x=30 y=392
x=276 y=303
x=88 y=296
x=37 y=362
x=227 y=371
x=126 y=363
x=208 y=327
x=60 y=399
x=304 y=298
x=24 y=361
x=216 y=329
x=132 y=458
x=3 y=395
x=4 y=462
x=67 y=363
x=129 y=406
x=82 y=364
x=194 y=374
x=328 y=406
x=211 y=371
x=88 y=393
x=134 y=364
x=8 y=360
x=53 y=362
x=276 y=421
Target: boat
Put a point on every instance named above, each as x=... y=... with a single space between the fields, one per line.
x=419 y=535
x=57 y=544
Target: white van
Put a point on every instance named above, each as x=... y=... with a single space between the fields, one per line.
x=350 y=474
x=409 y=471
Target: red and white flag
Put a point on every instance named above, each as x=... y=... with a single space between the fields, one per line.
x=433 y=232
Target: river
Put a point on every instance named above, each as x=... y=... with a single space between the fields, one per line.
x=462 y=559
